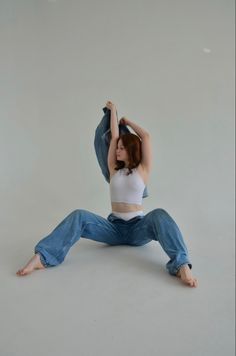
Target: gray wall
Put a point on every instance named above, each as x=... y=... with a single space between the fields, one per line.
x=167 y=65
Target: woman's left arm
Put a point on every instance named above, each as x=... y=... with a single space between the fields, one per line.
x=138 y=129
x=146 y=161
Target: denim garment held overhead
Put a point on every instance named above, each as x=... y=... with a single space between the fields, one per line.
x=102 y=142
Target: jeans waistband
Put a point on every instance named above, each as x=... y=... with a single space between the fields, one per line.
x=128 y=215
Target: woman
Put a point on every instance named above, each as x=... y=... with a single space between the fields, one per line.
x=129 y=162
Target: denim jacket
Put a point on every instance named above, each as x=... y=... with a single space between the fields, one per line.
x=102 y=142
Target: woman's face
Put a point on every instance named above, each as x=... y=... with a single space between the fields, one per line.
x=121 y=153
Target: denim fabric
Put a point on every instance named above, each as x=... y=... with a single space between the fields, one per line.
x=156 y=225
x=102 y=141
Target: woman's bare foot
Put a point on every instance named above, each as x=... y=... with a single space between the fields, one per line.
x=185 y=274
x=34 y=263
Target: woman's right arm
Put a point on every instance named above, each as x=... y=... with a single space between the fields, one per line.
x=111 y=158
x=114 y=120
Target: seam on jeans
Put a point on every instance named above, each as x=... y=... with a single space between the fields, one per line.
x=87 y=223
x=99 y=224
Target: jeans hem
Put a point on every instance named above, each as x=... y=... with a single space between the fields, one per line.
x=182 y=264
x=41 y=259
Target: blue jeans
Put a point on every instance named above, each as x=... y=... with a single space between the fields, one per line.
x=156 y=225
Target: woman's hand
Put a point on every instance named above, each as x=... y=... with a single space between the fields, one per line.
x=110 y=105
x=124 y=121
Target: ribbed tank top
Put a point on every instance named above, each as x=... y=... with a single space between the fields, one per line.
x=127 y=188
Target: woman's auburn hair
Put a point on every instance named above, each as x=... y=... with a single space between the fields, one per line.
x=132 y=143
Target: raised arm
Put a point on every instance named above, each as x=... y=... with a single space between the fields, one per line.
x=111 y=157
x=114 y=120
x=137 y=129
x=144 y=135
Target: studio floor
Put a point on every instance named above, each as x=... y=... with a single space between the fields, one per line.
x=116 y=300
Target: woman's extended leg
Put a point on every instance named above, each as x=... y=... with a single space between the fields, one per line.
x=51 y=250
x=158 y=225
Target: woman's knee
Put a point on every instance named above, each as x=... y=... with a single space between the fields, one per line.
x=158 y=212
x=160 y=215
x=79 y=212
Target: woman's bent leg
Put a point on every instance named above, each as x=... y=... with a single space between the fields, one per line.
x=158 y=225
x=80 y=223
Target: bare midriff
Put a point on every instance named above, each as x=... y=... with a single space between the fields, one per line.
x=125 y=207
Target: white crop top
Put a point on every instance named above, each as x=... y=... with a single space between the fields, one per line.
x=127 y=188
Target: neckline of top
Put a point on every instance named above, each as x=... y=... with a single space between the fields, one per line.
x=132 y=169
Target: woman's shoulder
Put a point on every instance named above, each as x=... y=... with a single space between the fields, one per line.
x=112 y=172
x=143 y=172
x=141 y=168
